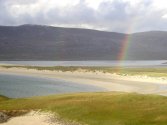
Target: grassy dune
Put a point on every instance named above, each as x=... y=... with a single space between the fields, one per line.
x=153 y=72
x=3 y=98
x=109 y=108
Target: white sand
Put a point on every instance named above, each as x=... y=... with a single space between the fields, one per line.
x=32 y=118
x=110 y=82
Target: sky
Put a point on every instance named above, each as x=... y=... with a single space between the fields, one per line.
x=126 y=16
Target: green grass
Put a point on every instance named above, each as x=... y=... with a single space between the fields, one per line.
x=153 y=72
x=3 y=98
x=108 y=108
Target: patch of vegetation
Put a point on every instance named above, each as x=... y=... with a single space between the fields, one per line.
x=109 y=108
x=3 y=98
x=153 y=72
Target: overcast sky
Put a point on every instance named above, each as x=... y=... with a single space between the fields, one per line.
x=111 y=15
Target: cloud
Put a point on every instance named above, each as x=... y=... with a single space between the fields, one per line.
x=111 y=15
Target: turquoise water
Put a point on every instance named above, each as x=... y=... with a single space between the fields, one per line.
x=89 y=63
x=16 y=86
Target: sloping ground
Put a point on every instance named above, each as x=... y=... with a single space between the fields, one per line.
x=3 y=98
x=99 y=108
x=33 y=118
x=35 y=42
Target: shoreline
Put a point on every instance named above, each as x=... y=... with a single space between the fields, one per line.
x=108 y=81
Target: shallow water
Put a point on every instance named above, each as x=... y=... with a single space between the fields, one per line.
x=139 y=63
x=16 y=86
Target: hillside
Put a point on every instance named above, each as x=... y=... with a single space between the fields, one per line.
x=111 y=108
x=35 y=42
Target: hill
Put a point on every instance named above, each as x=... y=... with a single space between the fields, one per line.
x=35 y=42
x=110 y=108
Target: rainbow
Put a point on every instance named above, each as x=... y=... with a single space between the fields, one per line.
x=123 y=52
x=127 y=40
x=124 y=48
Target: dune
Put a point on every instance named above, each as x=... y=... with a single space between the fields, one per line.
x=109 y=81
x=33 y=118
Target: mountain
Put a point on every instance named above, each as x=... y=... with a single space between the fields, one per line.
x=148 y=45
x=35 y=42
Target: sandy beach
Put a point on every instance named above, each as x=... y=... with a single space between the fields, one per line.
x=110 y=82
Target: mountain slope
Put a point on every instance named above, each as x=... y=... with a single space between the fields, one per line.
x=148 y=45
x=34 y=42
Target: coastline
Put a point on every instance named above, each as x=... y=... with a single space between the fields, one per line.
x=108 y=81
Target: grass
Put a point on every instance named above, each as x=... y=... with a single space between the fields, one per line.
x=109 y=108
x=3 y=98
x=152 y=72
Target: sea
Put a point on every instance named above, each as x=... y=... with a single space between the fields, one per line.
x=19 y=86
x=127 y=63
